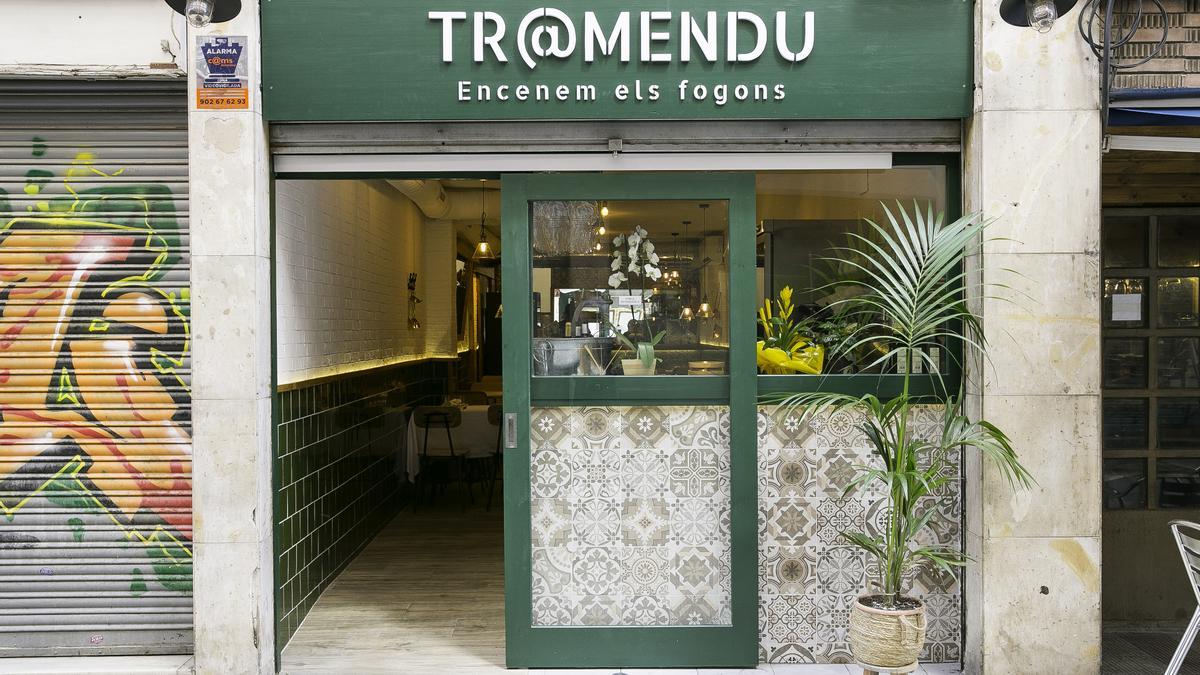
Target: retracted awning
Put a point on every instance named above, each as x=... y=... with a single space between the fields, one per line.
x=1146 y=117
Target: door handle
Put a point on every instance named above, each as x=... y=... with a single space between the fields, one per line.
x=510 y=431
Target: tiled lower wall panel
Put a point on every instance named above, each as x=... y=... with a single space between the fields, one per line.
x=630 y=516
x=808 y=575
x=336 y=483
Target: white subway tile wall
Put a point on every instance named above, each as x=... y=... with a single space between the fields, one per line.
x=344 y=250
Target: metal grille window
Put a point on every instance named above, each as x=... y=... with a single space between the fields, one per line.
x=1151 y=358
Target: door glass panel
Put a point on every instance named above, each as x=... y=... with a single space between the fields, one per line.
x=1178 y=241
x=1125 y=422
x=1125 y=363
x=1125 y=240
x=1124 y=483
x=1178 y=423
x=1178 y=302
x=1178 y=362
x=630 y=287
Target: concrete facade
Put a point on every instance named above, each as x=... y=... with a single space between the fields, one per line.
x=1032 y=163
x=116 y=38
x=231 y=309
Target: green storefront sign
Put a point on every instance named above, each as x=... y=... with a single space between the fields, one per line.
x=510 y=60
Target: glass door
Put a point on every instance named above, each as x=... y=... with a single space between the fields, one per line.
x=630 y=429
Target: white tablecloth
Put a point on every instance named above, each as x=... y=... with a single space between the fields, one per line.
x=474 y=434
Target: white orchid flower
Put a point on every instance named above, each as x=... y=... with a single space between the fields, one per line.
x=616 y=264
x=616 y=279
x=633 y=267
x=649 y=246
x=634 y=240
x=653 y=258
x=620 y=239
x=641 y=232
x=655 y=274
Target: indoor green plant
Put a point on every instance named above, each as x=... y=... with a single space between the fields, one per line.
x=908 y=296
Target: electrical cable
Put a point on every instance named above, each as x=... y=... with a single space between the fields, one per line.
x=1108 y=43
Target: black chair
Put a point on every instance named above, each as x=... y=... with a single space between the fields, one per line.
x=496 y=417
x=439 y=463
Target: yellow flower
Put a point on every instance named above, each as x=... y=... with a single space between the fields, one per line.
x=786 y=296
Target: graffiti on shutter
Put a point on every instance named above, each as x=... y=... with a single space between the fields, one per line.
x=95 y=450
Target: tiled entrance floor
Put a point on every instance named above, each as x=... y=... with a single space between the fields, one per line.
x=426 y=597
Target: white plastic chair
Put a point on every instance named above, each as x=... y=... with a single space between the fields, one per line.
x=1187 y=536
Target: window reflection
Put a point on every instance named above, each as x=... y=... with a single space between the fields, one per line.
x=1124 y=483
x=1178 y=483
x=630 y=287
x=803 y=217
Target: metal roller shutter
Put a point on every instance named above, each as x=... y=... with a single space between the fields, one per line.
x=95 y=406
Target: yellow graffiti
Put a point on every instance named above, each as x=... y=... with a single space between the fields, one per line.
x=72 y=470
x=121 y=414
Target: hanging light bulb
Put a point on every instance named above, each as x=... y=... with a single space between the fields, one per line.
x=603 y=212
x=705 y=310
x=483 y=255
x=601 y=230
x=1041 y=14
x=199 y=12
x=686 y=314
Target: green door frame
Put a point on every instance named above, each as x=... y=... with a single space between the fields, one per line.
x=579 y=647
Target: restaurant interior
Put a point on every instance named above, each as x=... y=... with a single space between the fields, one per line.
x=389 y=346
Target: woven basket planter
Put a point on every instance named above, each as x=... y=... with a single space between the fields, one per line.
x=887 y=638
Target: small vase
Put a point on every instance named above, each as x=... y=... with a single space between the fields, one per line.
x=636 y=367
x=887 y=638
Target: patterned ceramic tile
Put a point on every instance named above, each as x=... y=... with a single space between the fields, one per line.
x=630 y=516
x=808 y=575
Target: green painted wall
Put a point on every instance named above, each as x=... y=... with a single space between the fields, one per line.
x=383 y=60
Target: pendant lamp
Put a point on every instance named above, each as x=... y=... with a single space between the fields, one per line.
x=705 y=310
x=686 y=314
x=484 y=254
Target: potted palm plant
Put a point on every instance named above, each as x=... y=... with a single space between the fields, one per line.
x=906 y=294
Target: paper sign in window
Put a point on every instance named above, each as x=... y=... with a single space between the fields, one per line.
x=1127 y=307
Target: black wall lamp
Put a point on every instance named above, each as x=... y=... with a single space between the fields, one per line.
x=200 y=13
x=1038 y=14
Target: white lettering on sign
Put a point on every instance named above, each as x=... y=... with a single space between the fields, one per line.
x=549 y=33
x=593 y=36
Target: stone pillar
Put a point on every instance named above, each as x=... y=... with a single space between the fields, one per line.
x=1032 y=162
x=232 y=374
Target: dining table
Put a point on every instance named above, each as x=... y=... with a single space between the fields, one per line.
x=475 y=435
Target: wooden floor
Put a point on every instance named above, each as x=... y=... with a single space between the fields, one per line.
x=426 y=596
